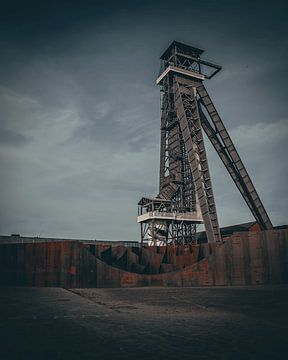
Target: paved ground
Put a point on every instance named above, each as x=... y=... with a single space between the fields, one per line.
x=144 y=323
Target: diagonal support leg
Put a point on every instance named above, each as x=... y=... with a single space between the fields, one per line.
x=188 y=117
x=227 y=152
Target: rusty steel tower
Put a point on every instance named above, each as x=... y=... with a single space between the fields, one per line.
x=185 y=196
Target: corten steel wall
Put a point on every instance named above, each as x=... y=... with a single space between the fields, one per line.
x=245 y=258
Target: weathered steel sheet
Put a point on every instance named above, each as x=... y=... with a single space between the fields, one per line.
x=258 y=263
x=274 y=260
x=238 y=274
x=219 y=269
x=245 y=258
x=283 y=255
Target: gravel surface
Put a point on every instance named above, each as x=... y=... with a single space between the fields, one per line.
x=144 y=323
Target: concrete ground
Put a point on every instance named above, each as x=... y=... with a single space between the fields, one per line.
x=144 y=323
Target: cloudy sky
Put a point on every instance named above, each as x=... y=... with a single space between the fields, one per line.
x=79 y=125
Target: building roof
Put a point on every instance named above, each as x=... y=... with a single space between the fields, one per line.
x=229 y=230
x=187 y=49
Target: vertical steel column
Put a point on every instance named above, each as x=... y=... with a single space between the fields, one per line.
x=188 y=116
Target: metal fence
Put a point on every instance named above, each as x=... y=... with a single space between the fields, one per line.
x=17 y=239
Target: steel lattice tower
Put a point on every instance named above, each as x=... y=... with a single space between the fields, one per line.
x=185 y=196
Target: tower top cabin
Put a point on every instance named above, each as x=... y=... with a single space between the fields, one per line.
x=185 y=60
x=177 y=47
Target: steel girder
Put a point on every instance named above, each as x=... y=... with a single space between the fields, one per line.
x=189 y=118
x=227 y=152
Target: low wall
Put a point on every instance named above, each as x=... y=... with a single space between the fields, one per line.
x=244 y=259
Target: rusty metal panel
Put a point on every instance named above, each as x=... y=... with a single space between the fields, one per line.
x=228 y=261
x=88 y=268
x=39 y=264
x=131 y=280
x=4 y=265
x=63 y=265
x=14 y=263
x=20 y=274
x=117 y=252
x=100 y=248
x=131 y=259
x=220 y=265
x=171 y=254
x=185 y=256
x=204 y=273
x=273 y=251
x=51 y=263
x=237 y=276
x=164 y=268
x=29 y=264
x=255 y=250
x=107 y=276
x=9 y=262
x=153 y=256
x=265 y=257
x=283 y=242
x=74 y=265
x=248 y=258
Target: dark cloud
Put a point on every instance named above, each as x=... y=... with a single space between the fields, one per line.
x=10 y=137
x=80 y=110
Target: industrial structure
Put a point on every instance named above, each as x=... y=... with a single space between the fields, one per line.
x=248 y=257
x=244 y=254
x=185 y=196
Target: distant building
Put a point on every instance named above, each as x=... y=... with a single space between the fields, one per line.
x=227 y=231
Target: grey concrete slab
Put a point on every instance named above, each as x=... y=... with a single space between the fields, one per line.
x=144 y=323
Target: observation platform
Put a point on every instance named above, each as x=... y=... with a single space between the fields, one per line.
x=178 y=70
x=162 y=210
x=192 y=217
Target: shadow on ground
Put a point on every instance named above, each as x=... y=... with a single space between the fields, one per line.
x=144 y=323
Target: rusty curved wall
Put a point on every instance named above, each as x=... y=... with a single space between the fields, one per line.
x=244 y=259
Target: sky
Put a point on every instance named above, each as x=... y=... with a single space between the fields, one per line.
x=80 y=110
